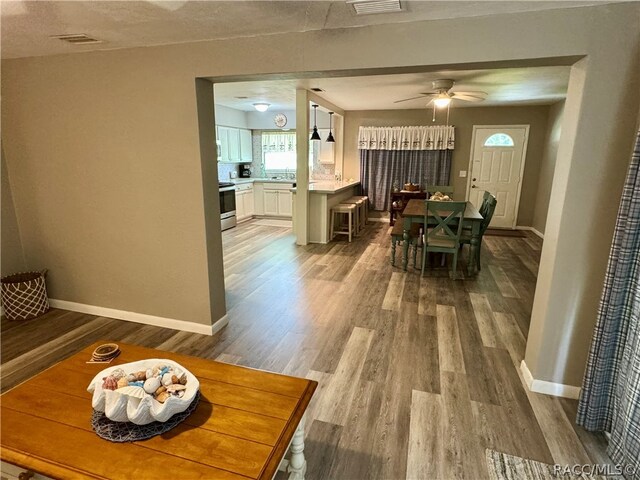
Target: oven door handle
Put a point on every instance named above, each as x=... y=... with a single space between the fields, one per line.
x=228 y=189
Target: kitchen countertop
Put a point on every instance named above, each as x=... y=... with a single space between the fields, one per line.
x=330 y=187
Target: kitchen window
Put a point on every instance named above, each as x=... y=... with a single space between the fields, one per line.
x=279 y=151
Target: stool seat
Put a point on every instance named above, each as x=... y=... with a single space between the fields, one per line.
x=344 y=207
x=350 y=210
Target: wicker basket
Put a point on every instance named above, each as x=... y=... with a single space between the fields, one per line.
x=24 y=295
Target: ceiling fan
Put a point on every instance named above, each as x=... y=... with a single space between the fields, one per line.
x=441 y=96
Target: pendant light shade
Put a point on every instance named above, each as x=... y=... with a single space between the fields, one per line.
x=330 y=138
x=315 y=135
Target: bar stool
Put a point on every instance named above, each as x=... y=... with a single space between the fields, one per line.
x=344 y=209
x=359 y=204
x=365 y=209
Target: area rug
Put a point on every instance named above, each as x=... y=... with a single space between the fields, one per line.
x=505 y=233
x=502 y=466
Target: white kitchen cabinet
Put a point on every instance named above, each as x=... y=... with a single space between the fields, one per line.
x=240 y=206
x=284 y=203
x=234 y=145
x=270 y=202
x=246 y=147
x=223 y=144
x=249 y=203
x=244 y=202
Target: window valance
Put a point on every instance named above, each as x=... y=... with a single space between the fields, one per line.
x=406 y=138
x=278 y=142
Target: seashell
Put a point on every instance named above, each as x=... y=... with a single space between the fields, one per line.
x=151 y=385
x=135 y=392
x=131 y=377
x=174 y=379
x=166 y=379
x=123 y=382
x=118 y=373
x=175 y=388
x=162 y=371
x=160 y=389
x=141 y=375
x=181 y=393
x=109 y=383
x=137 y=383
x=149 y=373
x=163 y=397
x=183 y=379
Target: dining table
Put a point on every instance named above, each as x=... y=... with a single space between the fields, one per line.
x=415 y=212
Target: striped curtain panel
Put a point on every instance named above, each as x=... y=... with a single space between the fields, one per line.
x=610 y=398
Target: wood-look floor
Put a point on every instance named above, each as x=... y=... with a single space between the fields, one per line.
x=417 y=376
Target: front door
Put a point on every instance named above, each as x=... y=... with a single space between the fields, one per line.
x=497 y=163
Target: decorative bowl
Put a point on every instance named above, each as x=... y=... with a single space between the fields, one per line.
x=122 y=405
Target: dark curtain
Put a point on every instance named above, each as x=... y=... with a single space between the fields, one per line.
x=379 y=169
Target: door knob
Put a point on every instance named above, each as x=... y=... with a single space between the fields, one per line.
x=473 y=186
x=473 y=179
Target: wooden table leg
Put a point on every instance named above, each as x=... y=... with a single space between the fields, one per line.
x=405 y=243
x=297 y=465
x=474 y=248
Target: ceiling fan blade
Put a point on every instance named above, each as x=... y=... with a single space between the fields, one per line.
x=469 y=96
x=407 y=99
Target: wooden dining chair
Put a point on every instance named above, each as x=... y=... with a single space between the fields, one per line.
x=487 y=209
x=444 y=237
x=431 y=189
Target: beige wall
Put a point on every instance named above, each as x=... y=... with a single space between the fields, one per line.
x=464 y=119
x=103 y=155
x=12 y=253
x=546 y=167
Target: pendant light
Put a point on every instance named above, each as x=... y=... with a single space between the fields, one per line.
x=330 y=138
x=315 y=135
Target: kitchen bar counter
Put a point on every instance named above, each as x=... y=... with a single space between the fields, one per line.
x=323 y=196
x=330 y=187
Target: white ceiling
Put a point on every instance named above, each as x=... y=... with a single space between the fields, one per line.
x=28 y=25
x=507 y=86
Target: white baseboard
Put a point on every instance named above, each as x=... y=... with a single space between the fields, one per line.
x=530 y=229
x=171 y=323
x=548 y=388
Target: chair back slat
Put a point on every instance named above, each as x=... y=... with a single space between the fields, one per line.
x=487 y=213
x=447 y=215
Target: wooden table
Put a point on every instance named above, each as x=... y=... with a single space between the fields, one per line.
x=415 y=212
x=242 y=427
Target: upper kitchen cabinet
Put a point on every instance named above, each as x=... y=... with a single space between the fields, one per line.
x=246 y=147
x=234 y=145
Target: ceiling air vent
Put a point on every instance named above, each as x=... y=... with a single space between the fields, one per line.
x=369 y=7
x=77 y=38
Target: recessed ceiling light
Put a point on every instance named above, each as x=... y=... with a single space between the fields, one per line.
x=261 y=107
x=76 y=38
x=369 y=7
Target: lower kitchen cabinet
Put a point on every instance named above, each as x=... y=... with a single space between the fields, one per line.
x=245 y=208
